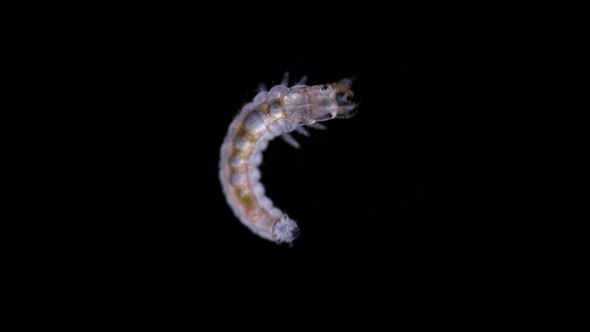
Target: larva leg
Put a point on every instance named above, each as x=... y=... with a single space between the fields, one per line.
x=302 y=131
x=317 y=126
x=290 y=140
x=302 y=81
x=285 y=80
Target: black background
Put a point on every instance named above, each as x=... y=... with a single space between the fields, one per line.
x=461 y=169
x=464 y=168
x=433 y=183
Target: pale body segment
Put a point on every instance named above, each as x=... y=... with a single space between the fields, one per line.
x=272 y=113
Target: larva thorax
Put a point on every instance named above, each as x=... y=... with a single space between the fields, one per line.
x=272 y=113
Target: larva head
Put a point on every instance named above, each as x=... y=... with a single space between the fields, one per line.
x=346 y=108
x=333 y=101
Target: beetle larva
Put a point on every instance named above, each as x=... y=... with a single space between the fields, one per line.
x=275 y=112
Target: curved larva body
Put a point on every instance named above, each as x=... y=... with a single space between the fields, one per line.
x=272 y=113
